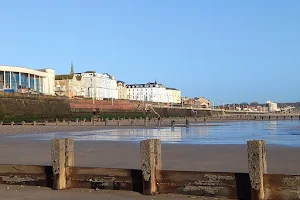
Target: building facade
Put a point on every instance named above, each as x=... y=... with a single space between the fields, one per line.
x=69 y=85
x=99 y=86
x=272 y=107
x=153 y=92
x=122 y=90
x=198 y=102
x=17 y=78
x=173 y=95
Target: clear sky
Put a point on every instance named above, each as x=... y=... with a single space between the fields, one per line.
x=227 y=51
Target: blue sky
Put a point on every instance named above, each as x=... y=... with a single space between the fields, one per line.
x=227 y=51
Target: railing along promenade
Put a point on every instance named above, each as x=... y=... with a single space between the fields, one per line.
x=151 y=179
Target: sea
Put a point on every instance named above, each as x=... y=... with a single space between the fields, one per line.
x=283 y=132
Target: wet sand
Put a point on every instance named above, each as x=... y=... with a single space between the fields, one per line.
x=215 y=158
x=37 y=193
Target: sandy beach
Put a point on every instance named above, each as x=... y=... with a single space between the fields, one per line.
x=216 y=158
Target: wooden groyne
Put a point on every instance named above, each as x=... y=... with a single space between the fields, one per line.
x=151 y=179
x=172 y=121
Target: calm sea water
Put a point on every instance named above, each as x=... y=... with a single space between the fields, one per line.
x=273 y=132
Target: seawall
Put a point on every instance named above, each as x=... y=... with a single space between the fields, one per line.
x=18 y=107
x=126 y=108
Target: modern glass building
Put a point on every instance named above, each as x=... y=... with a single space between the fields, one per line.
x=42 y=81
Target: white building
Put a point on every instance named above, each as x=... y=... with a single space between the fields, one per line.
x=122 y=90
x=153 y=92
x=99 y=86
x=173 y=95
x=272 y=107
x=41 y=80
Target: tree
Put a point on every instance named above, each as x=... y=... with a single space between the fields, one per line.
x=254 y=104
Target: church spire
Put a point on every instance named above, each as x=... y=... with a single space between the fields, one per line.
x=72 y=68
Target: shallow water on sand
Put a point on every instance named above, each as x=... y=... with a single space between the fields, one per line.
x=274 y=132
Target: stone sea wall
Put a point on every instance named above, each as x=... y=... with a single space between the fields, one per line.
x=27 y=107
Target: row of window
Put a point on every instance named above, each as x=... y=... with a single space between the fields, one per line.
x=142 y=86
x=15 y=80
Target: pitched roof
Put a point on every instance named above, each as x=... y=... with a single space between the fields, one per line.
x=78 y=78
x=171 y=89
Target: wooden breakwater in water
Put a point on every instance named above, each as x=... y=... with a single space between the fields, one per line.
x=151 y=179
x=151 y=122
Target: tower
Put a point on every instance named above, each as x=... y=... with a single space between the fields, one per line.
x=72 y=68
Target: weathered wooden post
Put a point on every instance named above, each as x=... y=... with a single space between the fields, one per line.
x=132 y=123
x=82 y=123
x=46 y=123
x=119 y=123
x=257 y=163
x=158 y=122
x=157 y=154
x=23 y=123
x=56 y=122
x=12 y=123
x=69 y=153
x=150 y=162
x=145 y=122
x=105 y=122
x=34 y=123
x=187 y=122
x=172 y=123
x=58 y=158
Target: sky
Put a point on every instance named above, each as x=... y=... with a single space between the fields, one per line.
x=228 y=51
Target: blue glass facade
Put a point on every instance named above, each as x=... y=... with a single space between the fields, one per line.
x=17 y=80
x=14 y=80
x=7 y=79
x=1 y=80
x=37 y=81
x=31 y=81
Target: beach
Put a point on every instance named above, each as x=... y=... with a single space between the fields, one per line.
x=110 y=154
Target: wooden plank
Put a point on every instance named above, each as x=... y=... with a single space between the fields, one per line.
x=70 y=171
x=104 y=178
x=280 y=181
x=214 y=184
x=69 y=147
x=26 y=175
x=157 y=154
x=22 y=169
x=277 y=194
